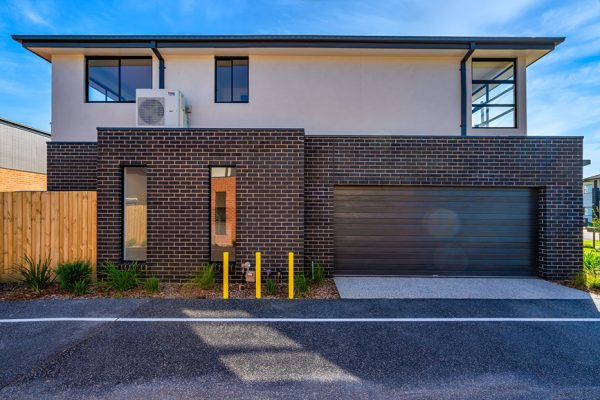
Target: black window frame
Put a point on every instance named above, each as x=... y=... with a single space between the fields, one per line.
x=119 y=58
x=512 y=81
x=247 y=59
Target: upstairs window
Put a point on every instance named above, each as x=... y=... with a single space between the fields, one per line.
x=231 y=80
x=494 y=101
x=115 y=79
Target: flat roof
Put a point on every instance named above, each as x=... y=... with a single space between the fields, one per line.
x=31 y=42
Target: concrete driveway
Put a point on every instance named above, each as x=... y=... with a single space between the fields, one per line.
x=454 y=288
x=304 y=349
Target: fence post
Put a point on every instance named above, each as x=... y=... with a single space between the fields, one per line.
x=257 y=277
x=291 y=275
x=225 y=275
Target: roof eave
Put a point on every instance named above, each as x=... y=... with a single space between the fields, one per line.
x=291 y=41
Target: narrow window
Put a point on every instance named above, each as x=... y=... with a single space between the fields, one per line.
x=493 y=97
x=135 y=212
x=114 y=79
x=223 y=212
x=231 y=80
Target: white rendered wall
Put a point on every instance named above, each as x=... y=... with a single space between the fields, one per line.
x=347 y=95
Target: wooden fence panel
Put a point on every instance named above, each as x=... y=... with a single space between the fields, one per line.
x=59 y=225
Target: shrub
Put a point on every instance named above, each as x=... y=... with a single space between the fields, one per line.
x=270 y=286
x=80 y=287
x=70 y=273
x=589 y=277
x=318 y=272
x=35 y=274
x=204 y=276
x=121 y=279
x=152 y=285
x=300 y=285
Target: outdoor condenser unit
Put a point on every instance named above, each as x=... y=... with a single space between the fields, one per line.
x=160 y=108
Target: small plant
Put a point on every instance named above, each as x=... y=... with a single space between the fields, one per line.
x=300 y=285
x=204 y=276
x=318 y=272
x=35 y=274
x=70 y=273
x=131 y=242
x=80 y=287
x=589 y=277
x=270 y=286
x=152 y=285
x=121 y=279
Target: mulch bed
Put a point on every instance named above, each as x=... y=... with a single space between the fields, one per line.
x=14 y=291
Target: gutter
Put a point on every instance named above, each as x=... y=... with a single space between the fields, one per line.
x=463 y=89
x=161 y=66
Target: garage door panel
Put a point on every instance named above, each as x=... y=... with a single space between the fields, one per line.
x=391 y=207
x=437 y=230
x=429 y=191
x=407 y=252
x=466 y=216
x=403 y=230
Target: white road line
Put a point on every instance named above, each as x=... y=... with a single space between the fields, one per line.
x=291 y=320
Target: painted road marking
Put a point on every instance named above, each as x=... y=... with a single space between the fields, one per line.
x=289 y=320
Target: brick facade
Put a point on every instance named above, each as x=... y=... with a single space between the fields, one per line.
x=12 y=180
x=285 y=187
x=72 y=166
x=270 y=204
x=553 y=165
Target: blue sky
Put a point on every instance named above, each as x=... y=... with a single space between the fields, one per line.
x=563 y=88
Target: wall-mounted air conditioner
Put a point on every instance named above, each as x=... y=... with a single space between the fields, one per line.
x=160 y=108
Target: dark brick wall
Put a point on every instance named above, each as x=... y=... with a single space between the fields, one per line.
x=551 y=164
x=72 y=166
x=270 y=196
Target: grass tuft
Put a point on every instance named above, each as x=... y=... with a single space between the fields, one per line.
x=35 y=274
x=152 y=285
x=300 y=285
x=71 y=273
x=121 y=279
x=204 y=277
x=318 y=272
x=270 y=287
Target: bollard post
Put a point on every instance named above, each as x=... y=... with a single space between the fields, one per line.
x=257 y=278
x=225 y=275
x=291 y=275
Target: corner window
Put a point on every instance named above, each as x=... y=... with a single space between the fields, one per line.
x=231 y=80
x=493 y=96
x=135 y=209
x=115 y=79
x=223 y=213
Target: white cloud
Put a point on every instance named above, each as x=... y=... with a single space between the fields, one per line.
x=33 y=13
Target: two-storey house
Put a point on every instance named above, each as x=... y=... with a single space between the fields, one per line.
x=371 y=155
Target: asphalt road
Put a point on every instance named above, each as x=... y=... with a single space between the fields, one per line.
x=410 y=359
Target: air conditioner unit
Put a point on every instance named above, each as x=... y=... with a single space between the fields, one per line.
x=160 y=108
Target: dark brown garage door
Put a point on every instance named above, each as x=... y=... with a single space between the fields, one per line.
x=460 y=231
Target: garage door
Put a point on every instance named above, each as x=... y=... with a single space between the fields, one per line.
x=453 y=231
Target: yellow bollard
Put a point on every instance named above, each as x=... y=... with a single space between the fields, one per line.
x=225 y=275
x=257 y=277
x=291 y=275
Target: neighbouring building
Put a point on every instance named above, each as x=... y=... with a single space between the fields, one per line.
x=590 y=197
x=22 y=157
x=371 y=155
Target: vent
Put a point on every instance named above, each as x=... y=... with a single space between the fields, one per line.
x=151 y=111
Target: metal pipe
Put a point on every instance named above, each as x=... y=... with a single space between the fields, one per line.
x=463 y=89
x=161 y=66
